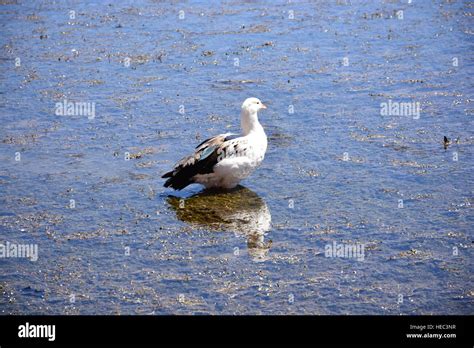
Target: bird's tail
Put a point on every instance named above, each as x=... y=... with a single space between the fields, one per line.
x=176 y=180
x=167 y=175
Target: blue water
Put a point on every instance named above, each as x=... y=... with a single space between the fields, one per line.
x=335 y=170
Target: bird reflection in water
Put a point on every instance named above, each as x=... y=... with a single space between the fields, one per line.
x=239 y=210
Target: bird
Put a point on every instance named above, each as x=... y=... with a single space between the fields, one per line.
x=446 y=142
x=224 y=160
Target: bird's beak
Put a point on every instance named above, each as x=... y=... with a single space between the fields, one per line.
x=264 y=106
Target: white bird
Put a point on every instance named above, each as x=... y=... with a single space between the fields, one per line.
x=224 y=160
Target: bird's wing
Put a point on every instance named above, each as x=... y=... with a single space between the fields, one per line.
x=203 y=160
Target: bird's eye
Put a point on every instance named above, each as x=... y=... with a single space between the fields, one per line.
x=258 y=102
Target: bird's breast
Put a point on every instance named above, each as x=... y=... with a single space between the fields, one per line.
x=258 y=145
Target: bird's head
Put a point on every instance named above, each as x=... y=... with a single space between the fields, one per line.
x=252 y=105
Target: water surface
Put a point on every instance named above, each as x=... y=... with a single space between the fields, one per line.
x=336 y=170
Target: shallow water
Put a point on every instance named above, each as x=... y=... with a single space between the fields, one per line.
x=336 y=171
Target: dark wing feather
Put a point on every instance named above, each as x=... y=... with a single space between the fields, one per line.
x=201 y=162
